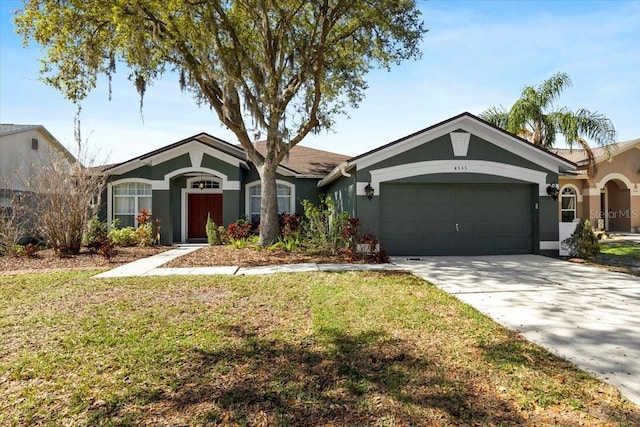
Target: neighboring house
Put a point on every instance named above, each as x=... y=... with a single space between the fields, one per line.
x=611 y=199
x=460 y=187
x=24 y=149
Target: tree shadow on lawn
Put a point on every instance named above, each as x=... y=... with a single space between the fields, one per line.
x=561 y=381
x=361 y=379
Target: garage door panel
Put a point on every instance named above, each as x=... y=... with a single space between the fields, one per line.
x=491 y=219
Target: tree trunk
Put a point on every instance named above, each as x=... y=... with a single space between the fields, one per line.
x=269 y=224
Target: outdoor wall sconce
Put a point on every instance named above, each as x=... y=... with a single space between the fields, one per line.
x=553 y=190
x=368 y=190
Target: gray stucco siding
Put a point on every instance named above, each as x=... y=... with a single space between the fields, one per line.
x=232 y=172
x=230 y=207
x=160 y=170
x=160 y=206
x=143 y=172
x=441 y=149
x=306 y=189
x=343 y=192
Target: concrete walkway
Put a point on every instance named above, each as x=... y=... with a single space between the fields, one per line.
x=586 y=315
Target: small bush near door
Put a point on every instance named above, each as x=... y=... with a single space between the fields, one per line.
x=583 y=242
x=216 y=235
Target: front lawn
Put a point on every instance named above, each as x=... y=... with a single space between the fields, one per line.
x=620 y=255
x=624 y=249
x=338 y=349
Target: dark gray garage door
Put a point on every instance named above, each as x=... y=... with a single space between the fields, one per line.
x=456 y=219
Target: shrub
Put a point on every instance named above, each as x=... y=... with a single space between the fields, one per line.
x=144 y=235
x=96 y=235
x=323 y=226
x=238 y=230
x=143 y=217
x=583 y=242
x=126 y=236
x=215 y=234
x=106 y=249
x=26 y=251
x=289 y=224
x=289 y=243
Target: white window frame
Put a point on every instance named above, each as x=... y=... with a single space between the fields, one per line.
x=568 y=192
x=111 y=213
x=292 y=197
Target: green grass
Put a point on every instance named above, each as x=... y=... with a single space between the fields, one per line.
x=293 y=349
x=621 y=249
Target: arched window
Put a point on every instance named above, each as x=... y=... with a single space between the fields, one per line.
x=568 y=204
x=286 y=199
x=129 y=199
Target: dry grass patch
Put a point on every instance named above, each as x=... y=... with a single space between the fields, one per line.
x=298 y=349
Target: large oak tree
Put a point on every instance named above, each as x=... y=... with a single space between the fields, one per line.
x=277 y=68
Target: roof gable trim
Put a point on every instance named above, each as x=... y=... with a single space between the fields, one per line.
x=194 y=148
x=473 y=125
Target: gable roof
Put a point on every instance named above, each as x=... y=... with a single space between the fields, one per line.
x=301 y=161
x=10 y=129
x=579 y=156
x=466 y=121
x=228 y=152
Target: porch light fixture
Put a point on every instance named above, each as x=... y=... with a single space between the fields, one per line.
x=201 y=185
x=553 y=190
x=368 y=190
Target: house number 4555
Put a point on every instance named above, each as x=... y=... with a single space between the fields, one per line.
x=459 y=168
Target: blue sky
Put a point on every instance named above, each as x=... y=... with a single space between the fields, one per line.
x=477 y=54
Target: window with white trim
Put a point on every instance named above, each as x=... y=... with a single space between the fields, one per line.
x=285 y=200
x=129 y=199
x=568 y=203
x=207 y=183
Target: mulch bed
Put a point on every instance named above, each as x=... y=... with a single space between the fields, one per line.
x=46 y=260
x=253 y=256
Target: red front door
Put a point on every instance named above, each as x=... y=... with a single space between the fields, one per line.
x=200 y=207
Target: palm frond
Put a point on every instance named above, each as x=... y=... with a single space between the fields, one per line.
x=549 y=90
x=523 y=114
x=595 y=126
x=497 y=116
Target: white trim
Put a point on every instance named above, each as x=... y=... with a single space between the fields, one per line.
x=166 y=183
x=575 y=195
x=483 y=131
x=454 y=166
x=205 y=178
x=247 y=201
x=460 y=143
x=574 y=188
x=186 y=148
x=126 y=167
x=123 y=181
x=195 y=156
x=549 y=245
x=338 y=171
x=615 y=176
x=184 y=210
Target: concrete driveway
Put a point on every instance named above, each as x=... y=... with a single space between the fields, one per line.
x=586 y=315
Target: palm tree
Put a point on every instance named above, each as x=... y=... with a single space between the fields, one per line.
x=531 y=119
